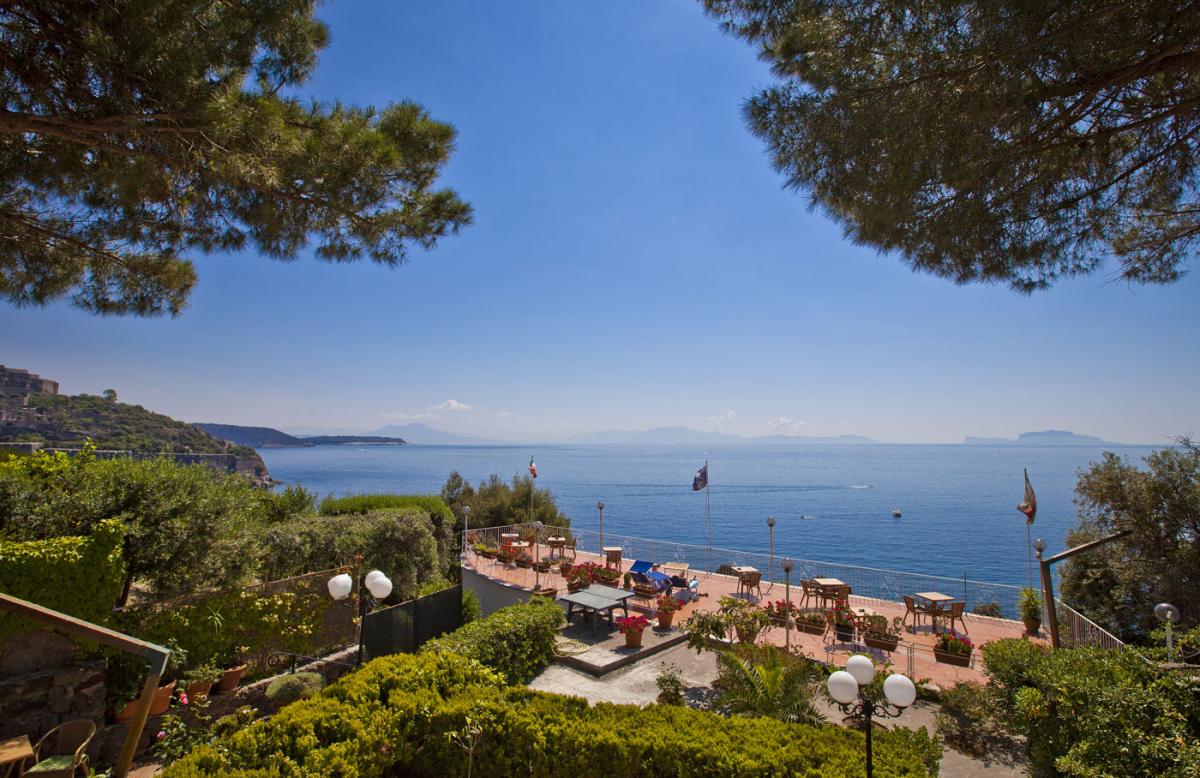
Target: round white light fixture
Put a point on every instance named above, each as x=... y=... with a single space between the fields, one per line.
x=379 y=587
x=1165 y=611
x=842 y=687
x=862 y=668
x=899 y=690
x=371 y=576
x=340 y=586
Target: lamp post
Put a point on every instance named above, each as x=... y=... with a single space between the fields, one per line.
x=466 y=525
x=1167 y=614
x=845 y=687
x=787 y=598
x=600 y=507
x=771 y=566
x=375 y=582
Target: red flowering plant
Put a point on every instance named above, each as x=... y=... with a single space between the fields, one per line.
x=583 y=573
x=632 y=624
x=840 y=615
x=954 y=643
x=779 y=609
x=667 y=604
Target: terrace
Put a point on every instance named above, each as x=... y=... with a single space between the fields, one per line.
x=873 y=591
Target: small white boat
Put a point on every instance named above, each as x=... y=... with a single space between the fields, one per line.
x=895 y=513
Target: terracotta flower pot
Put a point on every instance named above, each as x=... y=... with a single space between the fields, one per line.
x=810 y=628
x=158 y=704
x=633 y=639
x=229 y=679
x=946 y=657
x=199 y=689
x=843 y=634
x=665 y=619
x=1032 y=626
x=882 y=642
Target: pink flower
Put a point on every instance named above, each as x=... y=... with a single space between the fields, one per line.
x=183 y=698
x=162 y=733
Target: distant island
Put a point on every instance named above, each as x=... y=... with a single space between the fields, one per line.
x=687 y=435
x=1044 y=438
x=268 y=437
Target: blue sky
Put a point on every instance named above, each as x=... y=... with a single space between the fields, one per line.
x=634 y=262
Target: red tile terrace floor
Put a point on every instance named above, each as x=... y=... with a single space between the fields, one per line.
x=913 y=657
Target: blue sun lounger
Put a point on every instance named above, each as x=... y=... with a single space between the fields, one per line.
x=643 y=573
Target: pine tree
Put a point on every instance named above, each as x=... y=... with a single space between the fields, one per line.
x=134 y=132
x=1009 y=141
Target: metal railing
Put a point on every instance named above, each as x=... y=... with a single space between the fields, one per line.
x=1076 y=630
x=867 y=582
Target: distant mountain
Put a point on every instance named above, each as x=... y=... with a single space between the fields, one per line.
x=255 y=437
x=421 y=433
x=686 y=435
x=1044 y=438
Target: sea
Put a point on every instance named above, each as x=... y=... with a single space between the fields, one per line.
x=832 y=503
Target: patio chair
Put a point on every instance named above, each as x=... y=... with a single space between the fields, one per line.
x=912 y=609
x=751 y=581
x=62 y=750
x=956 y=614
x=645 y=577
x=570 y=546
x=808 y=588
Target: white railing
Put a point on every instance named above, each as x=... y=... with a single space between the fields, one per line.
x=1076 y=630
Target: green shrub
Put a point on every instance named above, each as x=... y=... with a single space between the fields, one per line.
x=494 y=503
x=79 y=576
x=470 y=606
x=517 y=641
x=294 y=500
x=1091 y=711
x=967 y=719
x=440 y=517
x=401 y=543
x=288 y=688
x=399 y=716
x=185 y=526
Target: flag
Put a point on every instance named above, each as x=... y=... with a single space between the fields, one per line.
x=700 y=480
x=1028 y=506
x=532 y=468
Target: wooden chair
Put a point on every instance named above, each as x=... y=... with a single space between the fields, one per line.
x=570 y=546
x=62 y=750
x=912 y=609
x=956 y=614
x=751 y=581
x=806 y=587
x=839 y=593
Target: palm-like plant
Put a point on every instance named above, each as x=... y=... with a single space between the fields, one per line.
x=767 y=682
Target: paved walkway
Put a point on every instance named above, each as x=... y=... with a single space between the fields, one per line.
x=635 y=685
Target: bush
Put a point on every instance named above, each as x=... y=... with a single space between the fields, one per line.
x=470 y=606
x=288 y=688
x=433 y=506
x=401 y=543
x=967 y=720
x=400 y=715
x=293 y=501
x=517 y=641
x=185 y=526
x=79 y=576
x=1091 y=711
x=494 y=503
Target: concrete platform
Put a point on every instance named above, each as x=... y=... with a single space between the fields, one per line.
x=607 y=651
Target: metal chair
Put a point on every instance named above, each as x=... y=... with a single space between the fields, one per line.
x=570 y=546
x=806 y=588
x=750 y=581
x=62 y=750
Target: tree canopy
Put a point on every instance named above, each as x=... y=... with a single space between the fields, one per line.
x=135 y=131
x=1009 y=141
x=1119 y=584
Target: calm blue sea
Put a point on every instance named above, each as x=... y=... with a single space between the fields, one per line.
x=832 y=503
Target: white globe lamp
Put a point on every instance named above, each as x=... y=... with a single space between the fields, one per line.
x=380 y=586
x=340 y=586
x=843 y=688
x=862 y=668
x=899 y=690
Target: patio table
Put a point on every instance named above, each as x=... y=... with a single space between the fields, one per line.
x=934 y=599
x=508 y=537
x=612 y=556
x=745 y=574
x=13 y=753
x=597 y=600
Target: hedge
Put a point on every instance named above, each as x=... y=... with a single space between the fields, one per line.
x=79 y=576
x=1093 y=711
x=401 y=543
x=517 y=641
x=439 y=513
x=399 y=716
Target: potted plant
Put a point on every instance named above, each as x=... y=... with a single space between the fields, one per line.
x=200 y=679
x=564 y=567
x=842 y=619
x=524 y=560
x=124 y=675
x=747 y=619
x=542 y=565
x=606 y=575
x=779 y=610
x=812 y=622
x=628 y=581
x=1031 y=610
x=233 y=668
x=486 y=551
x=648 y=591
x=666 y=606
x=953 y=648
x=632 y=628
x=881 y=634
x=507 y=555
x=580 y=576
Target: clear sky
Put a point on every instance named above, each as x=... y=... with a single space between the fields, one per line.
x=634 y=262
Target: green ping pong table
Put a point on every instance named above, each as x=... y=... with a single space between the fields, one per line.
x=596 y=600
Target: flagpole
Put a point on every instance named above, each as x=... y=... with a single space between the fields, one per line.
x=708 y=510
x=1029 y=553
